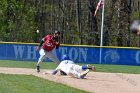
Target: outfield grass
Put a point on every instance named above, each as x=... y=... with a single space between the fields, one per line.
x=26 y=64
x=51 y=65
x=118 y=69
x=31 y=84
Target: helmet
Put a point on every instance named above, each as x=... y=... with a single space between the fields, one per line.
x=65 y=57
x=57 y=32
x=56 y=35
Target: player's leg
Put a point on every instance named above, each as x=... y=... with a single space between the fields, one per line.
x=84 y=73
x=83 y=70
x=52 y=57
x=76 y=71
x=78 y=75
x=41 y=58
x=74 y=74
x=79 y=68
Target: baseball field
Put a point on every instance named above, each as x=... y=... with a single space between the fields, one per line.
x=21 y=77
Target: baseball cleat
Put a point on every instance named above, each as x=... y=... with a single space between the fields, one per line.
x=83 y=74
x=91 y=67
x=37 y=68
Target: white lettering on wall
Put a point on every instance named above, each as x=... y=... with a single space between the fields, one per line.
x=73 y=53
x=63 y=50
x=79 y=54
x=138 y=57
x=83 y=54
x=18 y=50
x=31 y=52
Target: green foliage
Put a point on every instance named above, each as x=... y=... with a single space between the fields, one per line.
x=19 y=19
x=118 y=69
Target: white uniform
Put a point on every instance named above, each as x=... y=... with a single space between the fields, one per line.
x=69 y=67
x=49 y=54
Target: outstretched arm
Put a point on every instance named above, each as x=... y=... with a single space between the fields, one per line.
x=54 y=72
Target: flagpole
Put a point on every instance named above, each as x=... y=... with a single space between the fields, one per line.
x=101 y=36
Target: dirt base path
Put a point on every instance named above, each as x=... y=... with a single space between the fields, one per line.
x=95 y=82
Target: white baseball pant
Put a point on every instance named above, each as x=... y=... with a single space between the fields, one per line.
x=49 y=54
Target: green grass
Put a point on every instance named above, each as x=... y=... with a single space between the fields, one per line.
x=31 y=84
x=51 y=65
x=118 y=69
x=26 y=64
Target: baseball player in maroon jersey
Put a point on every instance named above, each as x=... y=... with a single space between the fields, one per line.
x=47 y=44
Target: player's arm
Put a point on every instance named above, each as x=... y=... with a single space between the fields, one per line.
x=40 y=44
x=57 y=45
x=58 y=68
x=54 y=72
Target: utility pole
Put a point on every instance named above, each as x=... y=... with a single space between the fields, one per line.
x=139 y=17
x=78 y=5
x=129 y=21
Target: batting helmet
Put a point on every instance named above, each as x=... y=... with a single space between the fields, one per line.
x=65 y=57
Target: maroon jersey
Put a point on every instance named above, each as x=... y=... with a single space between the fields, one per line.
x=49 y=44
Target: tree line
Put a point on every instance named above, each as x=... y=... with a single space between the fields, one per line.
x=20 y=19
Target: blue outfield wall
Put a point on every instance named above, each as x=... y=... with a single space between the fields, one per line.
x=80 y=54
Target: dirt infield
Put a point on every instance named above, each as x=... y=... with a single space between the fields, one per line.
x=95 y=82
